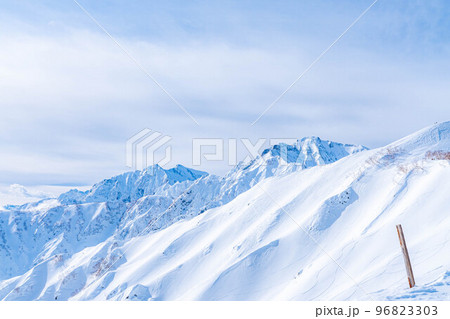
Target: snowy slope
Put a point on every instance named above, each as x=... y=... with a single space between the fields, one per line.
x=322 y=230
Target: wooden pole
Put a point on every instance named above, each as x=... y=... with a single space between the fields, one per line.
x=409 y=271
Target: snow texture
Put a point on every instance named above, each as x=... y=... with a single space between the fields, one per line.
x=310 y=221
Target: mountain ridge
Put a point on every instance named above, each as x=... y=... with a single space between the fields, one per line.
x=245 y=246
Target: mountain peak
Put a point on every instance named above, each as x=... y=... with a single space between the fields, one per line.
x=133 y=185
x=181 y=173
x=281 y=159
x=311 y=151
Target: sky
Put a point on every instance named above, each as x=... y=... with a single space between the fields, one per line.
x=70 y=97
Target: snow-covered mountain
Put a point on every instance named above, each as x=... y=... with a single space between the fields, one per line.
x=313 y=220
x=137 y=202
x=282 y=159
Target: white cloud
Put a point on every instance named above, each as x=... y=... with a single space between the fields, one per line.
x=69 y=102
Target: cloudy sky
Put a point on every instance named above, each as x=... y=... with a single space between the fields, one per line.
x=70 y=97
